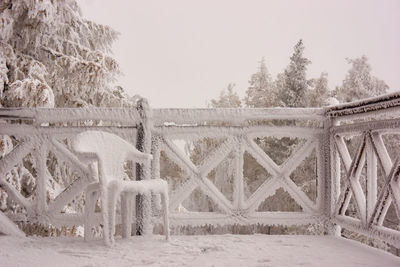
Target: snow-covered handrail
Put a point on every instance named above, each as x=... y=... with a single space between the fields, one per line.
x=365 y=162
x=343 y=169
x=63 y=115
x=42 y=135
x=238 y=129
x=385 y=103
x=232 y=115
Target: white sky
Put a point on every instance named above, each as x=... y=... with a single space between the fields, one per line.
x=181 y=53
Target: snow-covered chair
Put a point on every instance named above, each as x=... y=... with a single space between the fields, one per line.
x=110 y=152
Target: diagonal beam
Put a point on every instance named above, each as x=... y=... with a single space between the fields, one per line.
x=266 y=190
x=288 y=167
x=68 y=157
x=384 y=198
x=215 y=194
x=75 y=187
x=173 y=152
x=205 y=184
x=261 y=157
x=67 y=195
x=16 y=196
x=297 y=158
x=353 y=177
x=346 y=195
x=216 y=157
x=181 y=193
x=298 y=195
x=8 y=227
x=343 y=152
x=7 y=163
x=14 y=157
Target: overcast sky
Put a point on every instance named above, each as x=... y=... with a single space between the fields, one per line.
x=181 y=53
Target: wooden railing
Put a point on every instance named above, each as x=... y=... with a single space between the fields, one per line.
x=319 y=142
x=237 y=129
x=365 y=186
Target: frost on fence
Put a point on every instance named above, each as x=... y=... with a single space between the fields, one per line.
x=42 y=181
x=241 y=166
x=365 y=167
x=333 y=167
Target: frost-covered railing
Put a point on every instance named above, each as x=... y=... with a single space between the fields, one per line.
x=365 y=167
x=219 y=179
x=43 y=179
x=337 y=167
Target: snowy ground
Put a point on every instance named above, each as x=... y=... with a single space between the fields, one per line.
x=211 y=250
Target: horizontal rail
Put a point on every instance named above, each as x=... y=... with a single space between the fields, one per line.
x=262 y=218
x=62 y=115
x=22 y=130
x=222 y=131
x=378 y=232
x=365 y=106
x=233 y=115
x=381 y=125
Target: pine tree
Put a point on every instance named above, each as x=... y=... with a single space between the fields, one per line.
x=359 y=83
x=227 y=99
x=292 y=84
x=319 y=93
x=260 y=92
x=52 y=57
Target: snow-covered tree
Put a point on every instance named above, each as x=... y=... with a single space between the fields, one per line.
x=227 y=99
x=318 y=94
x=50 y=56
x=359 y=82
x=292 y=84
x=260 y=92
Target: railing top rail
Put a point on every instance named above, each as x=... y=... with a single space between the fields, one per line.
x=388 y=102
x=53 y=115
x=233 y=115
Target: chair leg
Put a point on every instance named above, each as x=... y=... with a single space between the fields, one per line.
x=126 y=212
x=104 y=212
x=166 y=214
x=112 y=201
x=90 y=205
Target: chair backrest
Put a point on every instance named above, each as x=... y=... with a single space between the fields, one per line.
x=111 y=150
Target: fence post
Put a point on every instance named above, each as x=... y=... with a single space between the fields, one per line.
x=332 y=178
x=143 y=171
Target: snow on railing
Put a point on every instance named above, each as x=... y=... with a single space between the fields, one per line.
x=365 y=167
x=238 y=130
x=210 y=155
x=40 y=138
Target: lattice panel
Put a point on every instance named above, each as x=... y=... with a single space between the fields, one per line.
x=370 y=192
x=245 y=191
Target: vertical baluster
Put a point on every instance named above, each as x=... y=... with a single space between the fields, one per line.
x=155 y=164
x=372 y=179
x=155 y=170
x=322 y=153
x=332 y=178
x=143 y=172
x=41 y=168
x=238 y=192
